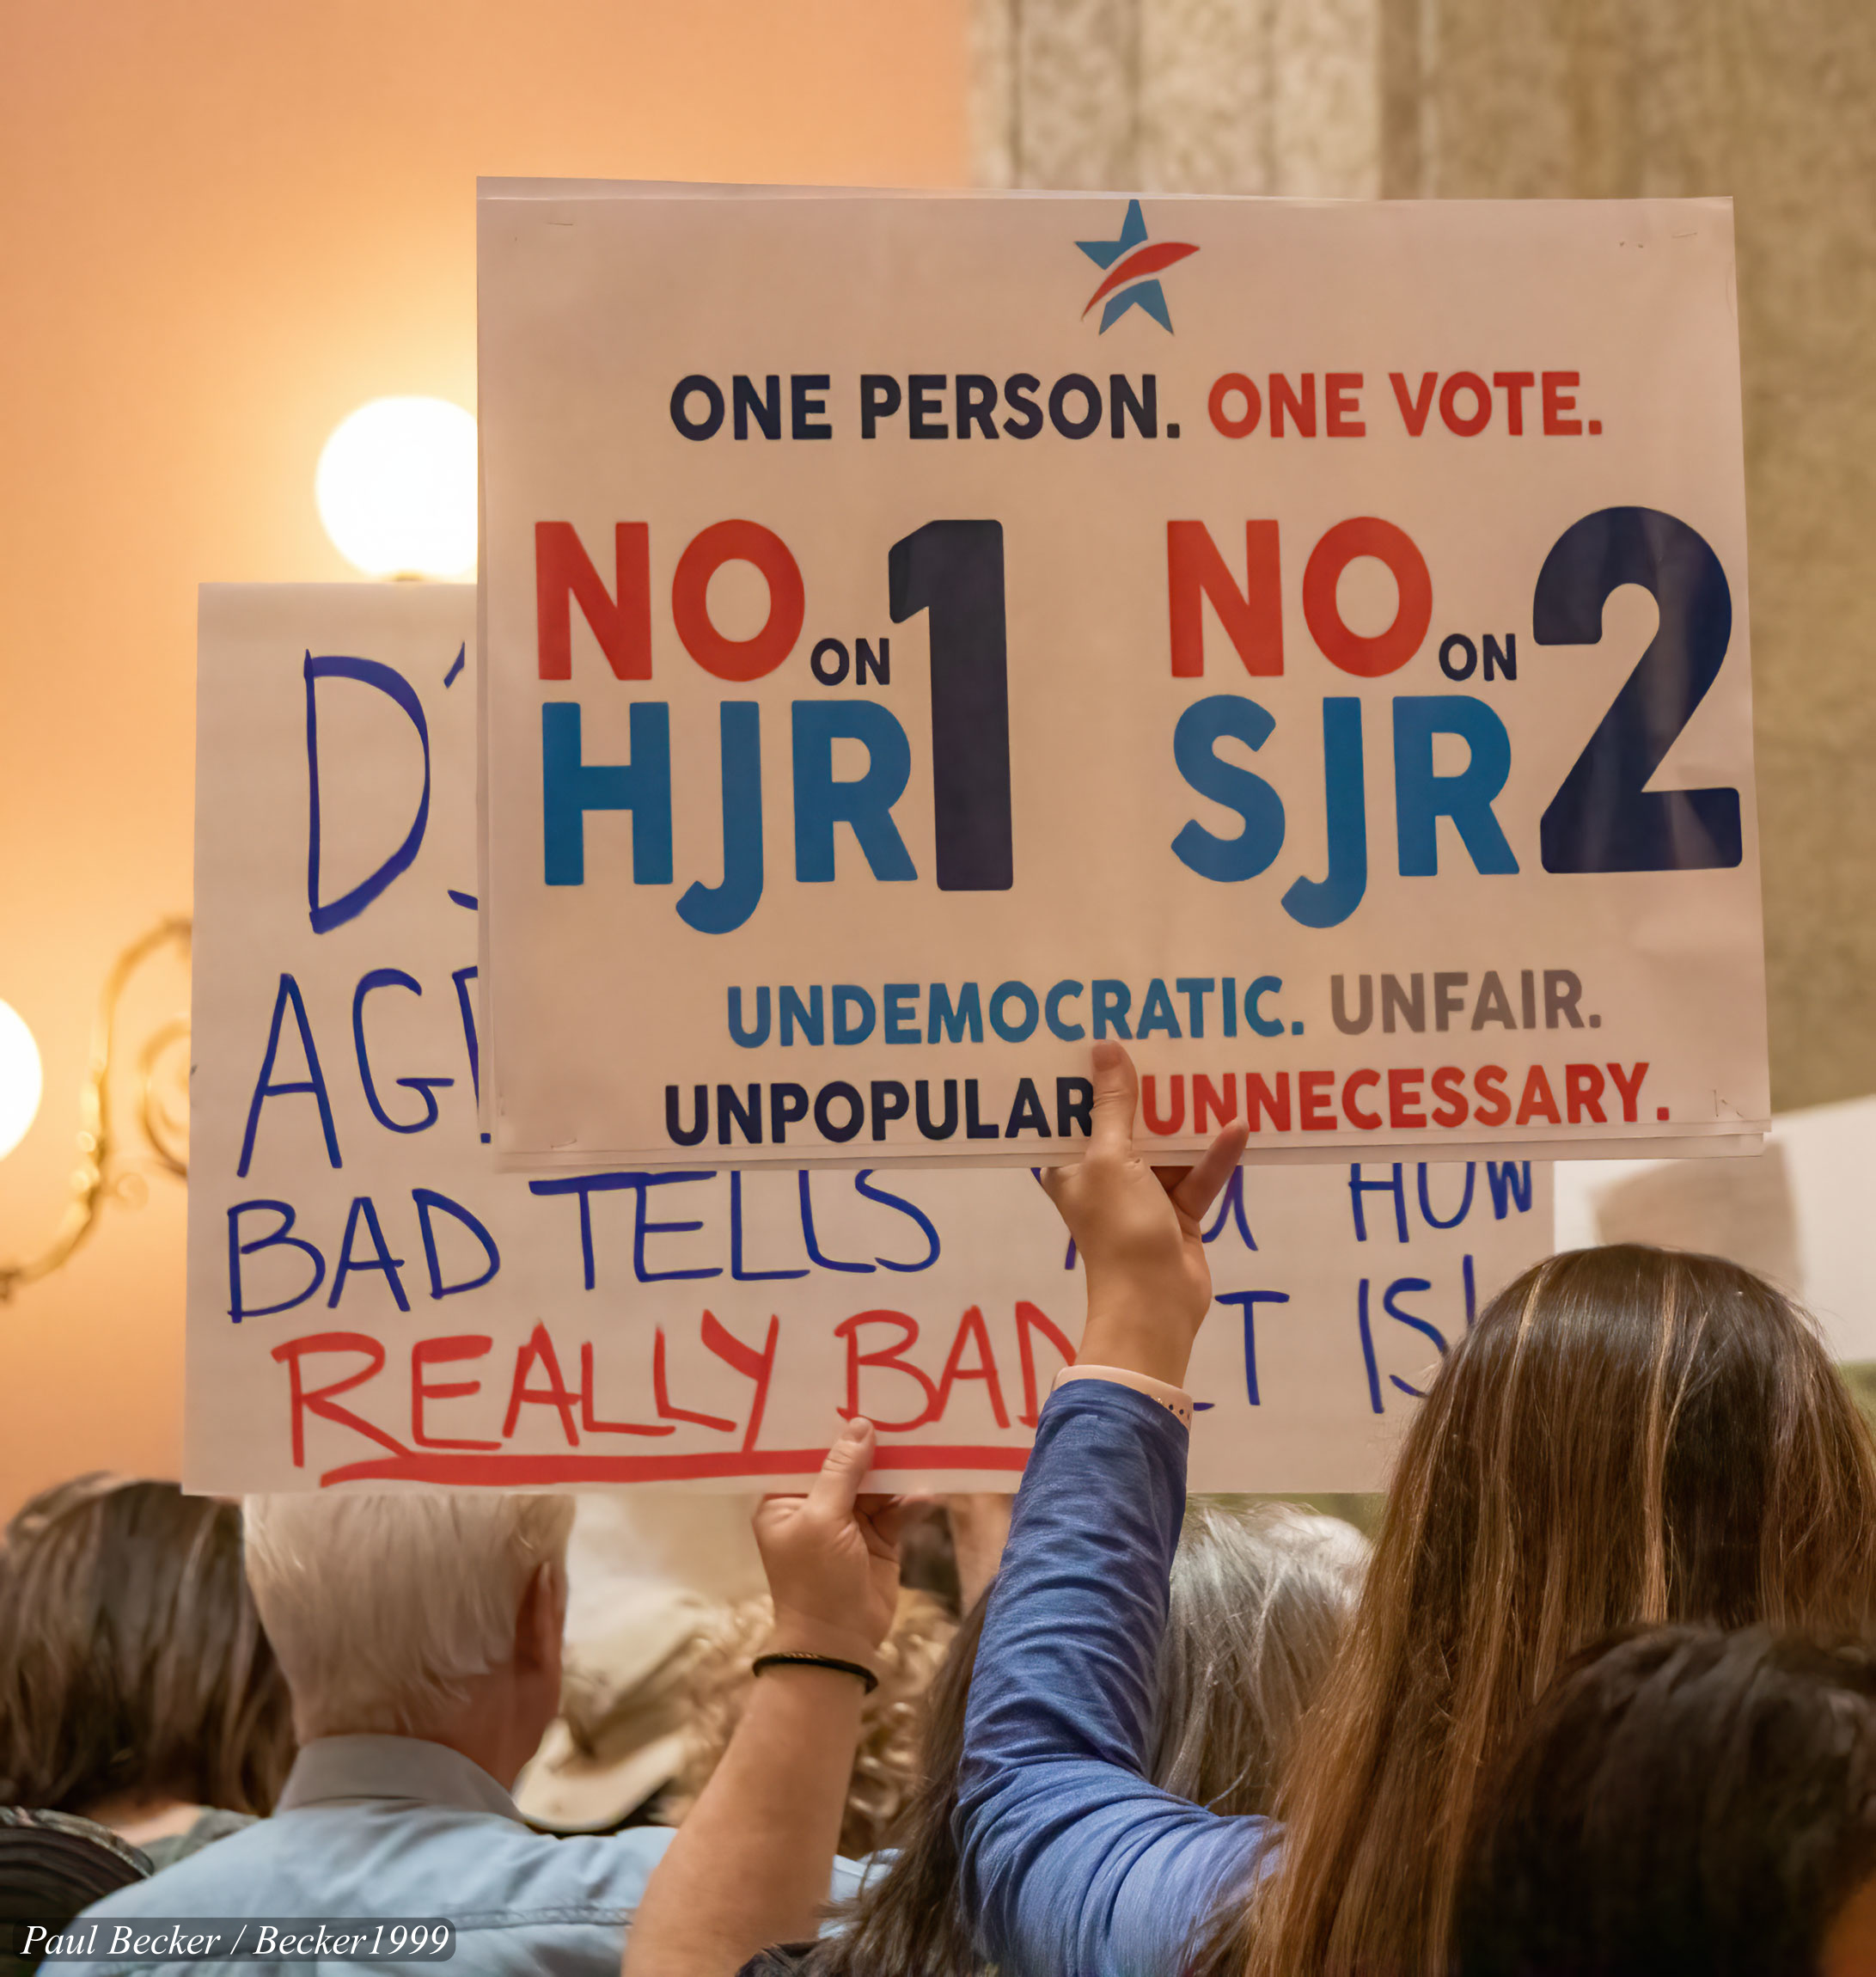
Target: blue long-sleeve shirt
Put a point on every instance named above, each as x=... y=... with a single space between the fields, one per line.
x=1073 y=1863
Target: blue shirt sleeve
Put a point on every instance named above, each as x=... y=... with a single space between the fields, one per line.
x=1071 y=1861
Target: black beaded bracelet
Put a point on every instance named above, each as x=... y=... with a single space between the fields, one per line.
x=785 y=1660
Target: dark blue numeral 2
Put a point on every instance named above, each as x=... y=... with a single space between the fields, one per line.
x=1604 y=818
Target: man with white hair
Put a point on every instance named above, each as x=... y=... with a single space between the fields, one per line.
x=420 y=1637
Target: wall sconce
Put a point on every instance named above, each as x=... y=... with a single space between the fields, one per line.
x=162 y=1112
x=21 y=1078
x=396 y=488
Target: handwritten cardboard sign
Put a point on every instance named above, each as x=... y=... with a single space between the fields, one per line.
x=925 y=633
x=370 y=1300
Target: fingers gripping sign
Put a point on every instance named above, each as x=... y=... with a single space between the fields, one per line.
x=1137 y=1229
x=832 y=1556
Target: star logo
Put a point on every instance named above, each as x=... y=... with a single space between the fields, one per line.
x=1133 y=262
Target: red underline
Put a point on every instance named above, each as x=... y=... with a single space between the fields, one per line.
x=424 y=1467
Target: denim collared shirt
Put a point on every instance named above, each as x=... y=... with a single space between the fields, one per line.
x=394 y=1826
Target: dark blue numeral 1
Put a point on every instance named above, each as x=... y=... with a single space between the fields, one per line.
x=954 y=570
x=1604 y=818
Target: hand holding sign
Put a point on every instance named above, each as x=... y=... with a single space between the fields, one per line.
x=832 y=1558
x=1139 y=1231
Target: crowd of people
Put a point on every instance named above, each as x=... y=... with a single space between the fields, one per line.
x=1600 y=1704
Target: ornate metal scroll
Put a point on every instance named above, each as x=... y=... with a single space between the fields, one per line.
x=161 y=1111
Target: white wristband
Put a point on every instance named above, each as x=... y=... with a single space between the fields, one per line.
x=1175 y=1399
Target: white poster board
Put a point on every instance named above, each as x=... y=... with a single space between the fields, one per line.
x=1801 y=1213
x=372 y=1301
x=927 y=634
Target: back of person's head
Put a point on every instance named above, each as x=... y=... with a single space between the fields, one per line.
x=1628 y=1436
x=132 y=1663
x=1257 y=1602
x=1683 y=1803
x=381 y=1608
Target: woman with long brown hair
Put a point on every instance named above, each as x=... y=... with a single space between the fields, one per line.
x=137 y=1688
x=1627 y=1436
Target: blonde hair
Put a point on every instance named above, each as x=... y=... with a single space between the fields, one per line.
x=886 y=1765
x=383 y=1608
x=1629 y=1436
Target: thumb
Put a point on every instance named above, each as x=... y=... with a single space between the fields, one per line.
x=837 y=1488
x=1116 y=1091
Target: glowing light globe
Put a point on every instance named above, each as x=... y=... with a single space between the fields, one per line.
x=21 y=1078
x=396 y=488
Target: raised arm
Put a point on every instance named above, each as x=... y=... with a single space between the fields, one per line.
x=1071 y=1860
x=750 y=1863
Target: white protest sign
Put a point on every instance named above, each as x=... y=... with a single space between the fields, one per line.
x=1799 y=1215
x=370 y=1300
x=929 y=632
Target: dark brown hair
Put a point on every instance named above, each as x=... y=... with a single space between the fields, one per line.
x=1682 y=1804
x=1630 y=1436
x=132 y=1658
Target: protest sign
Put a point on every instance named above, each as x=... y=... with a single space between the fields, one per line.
x=927 y=634
x=370 y=1300
x=1799 y=1215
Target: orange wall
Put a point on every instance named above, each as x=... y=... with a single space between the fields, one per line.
x=222 y=225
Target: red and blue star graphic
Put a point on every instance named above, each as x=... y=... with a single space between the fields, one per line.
x=1132 y=262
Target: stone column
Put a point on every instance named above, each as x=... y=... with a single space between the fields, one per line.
x=1176 y=95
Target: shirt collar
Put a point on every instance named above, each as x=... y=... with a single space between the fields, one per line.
x=333 y=1770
